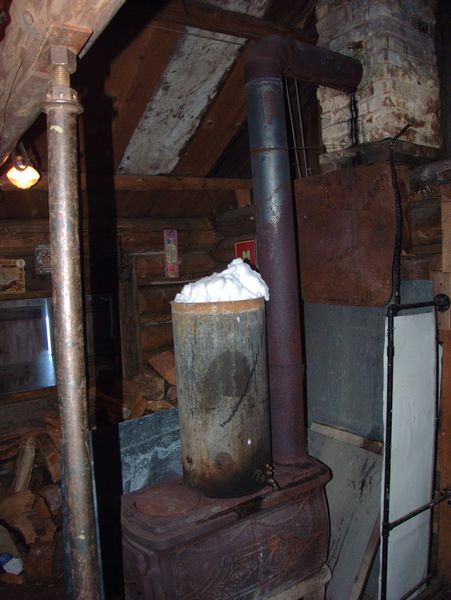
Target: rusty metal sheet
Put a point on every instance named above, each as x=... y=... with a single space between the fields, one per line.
x=346 y=222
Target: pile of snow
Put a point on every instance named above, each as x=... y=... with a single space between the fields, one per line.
x=237 y=282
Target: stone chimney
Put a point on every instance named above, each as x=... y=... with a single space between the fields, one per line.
x=394 y=40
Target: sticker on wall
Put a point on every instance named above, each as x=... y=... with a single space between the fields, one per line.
x=171 y=254
x=12 y=275
x=43 y=259
x=247 y=250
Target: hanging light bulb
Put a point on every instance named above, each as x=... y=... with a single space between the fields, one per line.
x=22 y=174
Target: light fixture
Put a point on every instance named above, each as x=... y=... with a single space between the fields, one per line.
x=22 y=174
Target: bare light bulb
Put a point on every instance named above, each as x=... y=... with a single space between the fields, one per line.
x=23 y=178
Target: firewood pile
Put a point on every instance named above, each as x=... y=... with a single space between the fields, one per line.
x=30 y=501
x=155 y=389
x=31 y=544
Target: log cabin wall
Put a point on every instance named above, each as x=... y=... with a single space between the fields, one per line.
x=123 y=257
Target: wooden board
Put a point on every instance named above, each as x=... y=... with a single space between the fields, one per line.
x=354 y=497
x=444 y=538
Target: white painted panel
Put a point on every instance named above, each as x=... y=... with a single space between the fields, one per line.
x=412 y=449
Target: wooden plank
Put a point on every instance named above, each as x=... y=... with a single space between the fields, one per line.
x=24 y=466
x=147 y=183
x=219 y=125
x=203 y=16
x=444 y=460
x=23 y=87
x=446 y=228
x=441 y=283
x=128 y=323
x=134 y=75
x=350 y=438
x=363 y=573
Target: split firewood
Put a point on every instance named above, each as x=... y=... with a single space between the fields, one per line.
x=164 y=364
x=158 y=405
x=171 y=395
x=153 y=383
x=50 y=455
x=17 y=512
x=11 y=578
x=53 y=428
x=52 y=496
x=24 y=465
x=42 y=521
x=138 y=407
x=39 y=560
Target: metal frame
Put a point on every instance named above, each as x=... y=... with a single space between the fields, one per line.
x=440 y=303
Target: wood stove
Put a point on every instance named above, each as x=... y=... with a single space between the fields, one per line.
x=179 y=543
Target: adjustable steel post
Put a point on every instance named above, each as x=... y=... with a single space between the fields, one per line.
x=62 y=108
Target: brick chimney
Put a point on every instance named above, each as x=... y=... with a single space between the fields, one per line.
x=394 y=40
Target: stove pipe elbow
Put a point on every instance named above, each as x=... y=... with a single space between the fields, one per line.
x=271 y=59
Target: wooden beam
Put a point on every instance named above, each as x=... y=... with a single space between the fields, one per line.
x=220 y=124
x=147 y=183
x=23 y=84
x=133 y=78
x=198 y=14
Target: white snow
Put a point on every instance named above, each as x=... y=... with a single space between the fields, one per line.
x=237 y=282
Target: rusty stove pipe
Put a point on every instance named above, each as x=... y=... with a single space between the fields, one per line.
x=62 y=108
x=270 y=60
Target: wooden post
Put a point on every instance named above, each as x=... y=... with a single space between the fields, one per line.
x=444 y=537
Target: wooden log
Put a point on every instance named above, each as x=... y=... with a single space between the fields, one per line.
x=154 y=406
x=147 y=183
x=11 y=578
x=16 y=511
x=191 y=264
x=24 y=465
x=40 y=559
x=236 y=222
x=420 y=267
x=50 y=455
x=164 y=365
x=154 y=384
x=425 y=222
x=155 y=338
x=52 y=496
x=135 y=242
x=203 y=16
x=171 y=395
x=154 y=300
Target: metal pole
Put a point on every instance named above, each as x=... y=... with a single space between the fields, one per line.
x=62 y=108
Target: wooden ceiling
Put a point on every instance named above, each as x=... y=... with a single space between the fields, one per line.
x=142 y=67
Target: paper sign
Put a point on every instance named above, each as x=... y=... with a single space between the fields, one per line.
x=12 y=276
x=247 y=251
